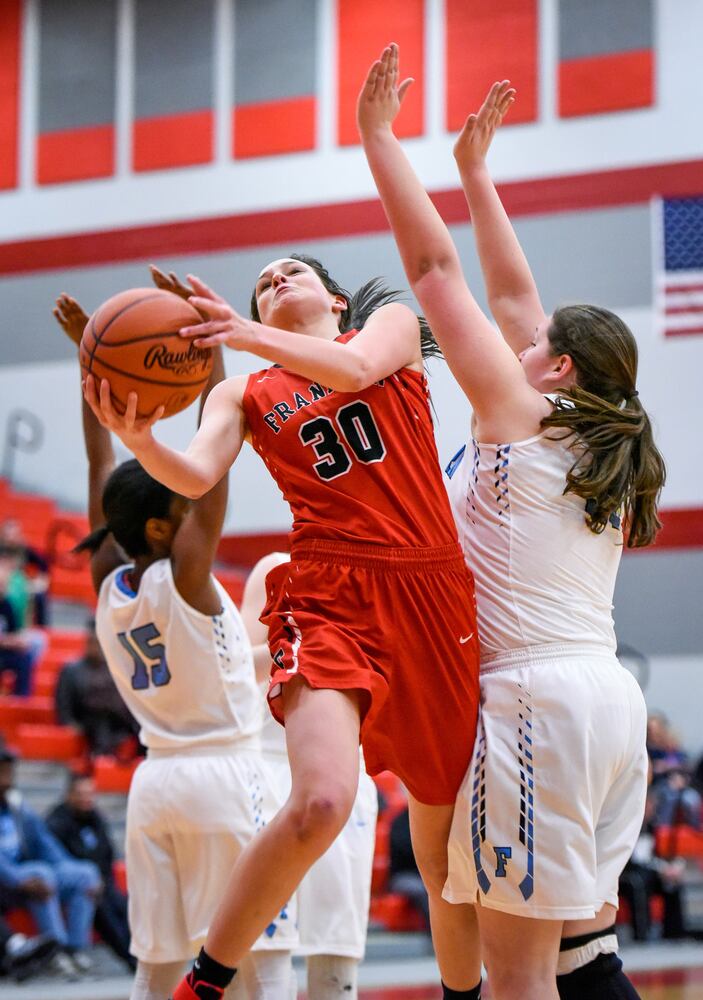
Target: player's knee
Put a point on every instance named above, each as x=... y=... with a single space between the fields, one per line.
x=319 y=814
x=530 y=981
x=433 y=865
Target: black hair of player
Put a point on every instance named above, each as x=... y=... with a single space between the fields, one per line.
x=131 y=497
x=360 y=304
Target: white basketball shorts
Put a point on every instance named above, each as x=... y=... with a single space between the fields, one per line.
x=333 y=898
x=189 y=815
x=553 y=801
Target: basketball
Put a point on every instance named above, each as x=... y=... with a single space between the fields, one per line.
x=132 y=340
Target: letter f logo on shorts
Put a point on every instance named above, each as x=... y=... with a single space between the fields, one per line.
x=503 y=855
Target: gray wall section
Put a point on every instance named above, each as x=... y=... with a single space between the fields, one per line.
x=174 y=46
x=601 y=27
x=76 y=63
x=575 y=256
x=658 y=602
x=274 y=50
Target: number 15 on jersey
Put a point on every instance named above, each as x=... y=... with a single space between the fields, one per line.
x=148 y=656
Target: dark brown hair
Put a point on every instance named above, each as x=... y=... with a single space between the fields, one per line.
x=130 y=497
x=618 y=467
x=360 y=305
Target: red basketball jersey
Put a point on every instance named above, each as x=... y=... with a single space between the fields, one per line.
x=354 y=466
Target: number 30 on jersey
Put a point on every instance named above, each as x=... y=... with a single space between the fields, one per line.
x=353 y=429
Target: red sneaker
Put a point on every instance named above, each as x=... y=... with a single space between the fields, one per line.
x=197 y=991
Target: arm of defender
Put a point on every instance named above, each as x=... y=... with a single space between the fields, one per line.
x=98 y=447
x=483 y=364
x=512 y=293
x=196 y=541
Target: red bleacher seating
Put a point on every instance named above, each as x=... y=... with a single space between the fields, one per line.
x=395 y=913
x=119 y=870
x=16 y=712
x=66 y=642
x=49 y=742
x=679 y=841
x=112 y=775
x=232 y=580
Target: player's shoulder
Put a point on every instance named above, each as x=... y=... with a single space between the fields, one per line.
x=230 y=389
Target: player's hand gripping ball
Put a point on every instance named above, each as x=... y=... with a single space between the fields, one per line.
x=132 y=341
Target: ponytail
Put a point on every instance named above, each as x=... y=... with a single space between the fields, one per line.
x=374 y=294
x=92 y=542
x=618 y=468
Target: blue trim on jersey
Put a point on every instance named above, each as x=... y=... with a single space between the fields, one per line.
x=455 y=462
x=122 y=585
x=527 y=813
x=478 y=813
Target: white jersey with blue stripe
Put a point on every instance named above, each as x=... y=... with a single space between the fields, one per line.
x=186 y=677
x=542 y=576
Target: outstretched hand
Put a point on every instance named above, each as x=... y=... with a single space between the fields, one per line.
x=477 y=134
x=381 y=96
x=223 y=325
x=71 y=317
x=133 y=431
x=172 y=283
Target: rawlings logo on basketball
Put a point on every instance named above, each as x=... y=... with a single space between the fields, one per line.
x=187 y=362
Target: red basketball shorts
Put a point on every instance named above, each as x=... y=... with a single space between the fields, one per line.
x=399 y=624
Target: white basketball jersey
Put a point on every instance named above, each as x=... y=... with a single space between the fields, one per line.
x=273 y=734
x=186 y=677
x=541 y=575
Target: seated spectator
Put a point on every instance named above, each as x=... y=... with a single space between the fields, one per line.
x=18 y=650
x=36 y=872
x=646 y=875
x=403 y=875
x=87 y=699
x=30 y=581
x=676 y=801
x=78 y=825
x=662 y=746
x=22 y=957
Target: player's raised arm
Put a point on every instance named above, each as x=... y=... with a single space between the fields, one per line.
x=196 y=541
x=512 y=294
x=481 y=361
x=208 y=457
x=98 y=446
x=389 y=341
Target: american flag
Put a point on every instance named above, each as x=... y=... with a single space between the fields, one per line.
x=680 y=265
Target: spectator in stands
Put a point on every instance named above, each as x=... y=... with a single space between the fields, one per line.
x=38 y=873
x=662 y=746
x=87 y=699
x=22 y=956
x=80 y=827
x=30 y=582
x=646 y=875
x=18 y=652
x=676 y=801
x=404 y=877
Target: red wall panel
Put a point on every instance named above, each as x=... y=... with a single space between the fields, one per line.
x=606 y=83
x=488 y=41
x=364 y=28
x=10 y=28
x=75 y=154
x=273 y=127
x=179 y=140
